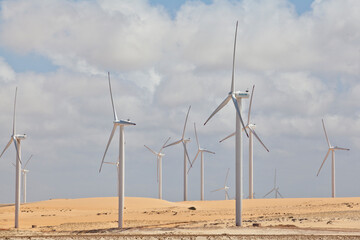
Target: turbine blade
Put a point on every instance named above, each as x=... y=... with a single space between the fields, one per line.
x=279 y=193
x=151 y=150
x=208 y=151
x=327 y=139
x=107 y=146
x=197 y=140
x=227 y=194
x=17 y=150
x=327 y=154
x=238 y=112
x=187 y=154
x=251 y=98
x=14 y=116
x=275 y=179
x=27 y=161
x=233 y=67
x=7 y=145
x=164 y=145
x=253 y=131
x=217 y=189
x=187 y=115
x=227 y=175
x=112 y=100
x=269 y=192
x=227 y=99
x=192 y=163
x=233 y=134
x=174 y=143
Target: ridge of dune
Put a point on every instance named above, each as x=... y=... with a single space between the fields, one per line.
x=102 y=213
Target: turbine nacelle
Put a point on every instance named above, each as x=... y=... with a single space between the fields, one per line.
x=20 y=136
x=124 y=122
x=240 y=94
x=251 y=125
x=339 y=148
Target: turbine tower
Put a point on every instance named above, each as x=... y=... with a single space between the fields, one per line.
x=16 y=138
x=159 y=155
x=251 y=127
x=236 y=97
x=186 y=155
x=332 y=150
x=275 y=189
x=225 y=188
x=121 y=169
x=201 y=152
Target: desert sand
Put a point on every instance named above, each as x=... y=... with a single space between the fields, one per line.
x=305 y=218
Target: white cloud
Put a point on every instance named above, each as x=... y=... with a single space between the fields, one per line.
x=7 y=74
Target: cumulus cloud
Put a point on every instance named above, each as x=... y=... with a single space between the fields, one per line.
x=7 y=74
x=305 y=67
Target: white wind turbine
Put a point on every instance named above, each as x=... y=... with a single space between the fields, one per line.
x=275 y=189
x=186 y=155
x=16 y=138
x=201 y=152
x=332 y=150
x=251 y=127
x=159 y=155
x=236 y=97
x=121 y=163
x=225 y=188
x=24 y=171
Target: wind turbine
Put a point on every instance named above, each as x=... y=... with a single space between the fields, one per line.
x=236 y=97
x=159 y=156
x=201 y=152
x=332 y=149
x=121 y=163
x=186 y=155
x=24 y=172
x=251 y=127
x=16 y=138
x=225 y=188
x=275 y=189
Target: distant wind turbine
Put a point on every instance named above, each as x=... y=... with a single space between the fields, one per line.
x=16 y=138
x=159 y=155
x=201 y=152
x=332 y=150
x=121 y=167
x=251 y=127
x=275 y=189
x=225 y=188
x=24 y=172
x=186 y=155
x=236 y=97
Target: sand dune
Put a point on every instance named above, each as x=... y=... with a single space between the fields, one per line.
x=100 y=214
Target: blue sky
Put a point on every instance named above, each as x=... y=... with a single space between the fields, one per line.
x=173 y=6
x=305 y=66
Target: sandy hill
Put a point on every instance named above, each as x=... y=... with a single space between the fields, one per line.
x=101 y=213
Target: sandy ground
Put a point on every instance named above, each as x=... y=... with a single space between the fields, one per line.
x=96 y=218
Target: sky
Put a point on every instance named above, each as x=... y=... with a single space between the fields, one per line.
x=302 y=56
